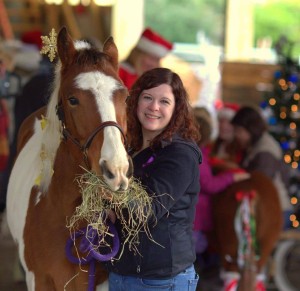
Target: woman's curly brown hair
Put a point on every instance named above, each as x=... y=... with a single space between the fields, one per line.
x=182 y=121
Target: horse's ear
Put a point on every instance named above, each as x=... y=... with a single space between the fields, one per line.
x=65 y=47
x=110 y=49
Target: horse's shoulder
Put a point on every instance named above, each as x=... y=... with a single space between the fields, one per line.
x=27 y=127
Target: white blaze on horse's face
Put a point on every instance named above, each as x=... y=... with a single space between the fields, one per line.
x=113 y=154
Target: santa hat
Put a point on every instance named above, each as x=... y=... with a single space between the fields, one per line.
x=228 y=110
x=154 y=44
x=33 y=37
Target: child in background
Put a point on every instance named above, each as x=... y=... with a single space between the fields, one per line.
x=210 y=184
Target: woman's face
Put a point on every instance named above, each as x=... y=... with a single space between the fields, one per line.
x=146 y=62
x=242 y=136
x=226 y=129
x=155 y=110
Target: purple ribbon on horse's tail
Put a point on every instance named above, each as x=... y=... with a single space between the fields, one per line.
x=89 y=238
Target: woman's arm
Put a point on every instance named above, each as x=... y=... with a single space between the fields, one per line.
x=212 y=184
x=169 y=177
x=264 y=162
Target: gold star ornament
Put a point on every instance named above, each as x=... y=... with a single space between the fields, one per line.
x=49 y=45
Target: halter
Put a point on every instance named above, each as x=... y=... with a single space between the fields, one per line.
x=84 y=148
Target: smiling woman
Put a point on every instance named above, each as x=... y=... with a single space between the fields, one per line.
x=163 y=141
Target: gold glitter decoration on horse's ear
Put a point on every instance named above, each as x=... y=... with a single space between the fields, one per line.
x=49 y=45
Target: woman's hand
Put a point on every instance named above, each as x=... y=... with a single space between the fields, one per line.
x=241 y=176
x=111 y=215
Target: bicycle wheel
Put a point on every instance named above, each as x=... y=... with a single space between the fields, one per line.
x=287 y=265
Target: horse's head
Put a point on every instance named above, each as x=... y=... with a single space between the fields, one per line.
x=91 y=106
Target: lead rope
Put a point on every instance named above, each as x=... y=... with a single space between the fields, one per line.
x=88 y=238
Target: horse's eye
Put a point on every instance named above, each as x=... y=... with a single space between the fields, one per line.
x=73 y=101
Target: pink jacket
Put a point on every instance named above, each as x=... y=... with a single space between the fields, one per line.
x=210 y=185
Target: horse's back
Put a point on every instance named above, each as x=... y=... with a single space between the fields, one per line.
x=268 y=217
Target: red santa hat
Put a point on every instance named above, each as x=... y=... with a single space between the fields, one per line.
x=228 y=110
x=33 y=37
x=154 y=44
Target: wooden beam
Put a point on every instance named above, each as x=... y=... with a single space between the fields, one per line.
x=5 y=22
x=71 y=21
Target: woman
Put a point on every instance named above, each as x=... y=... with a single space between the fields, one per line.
x=163 y=139
x=262 y=153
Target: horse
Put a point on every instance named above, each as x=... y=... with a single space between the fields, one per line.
x=83 y=126
x=247 y=224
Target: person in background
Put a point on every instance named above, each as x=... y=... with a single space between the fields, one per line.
x=262 y=153
x=4 y=133
x=146 y=55
x=225 y=152
x=4 y=150
x=33 y=95
x=210 y=185
x=163 y=137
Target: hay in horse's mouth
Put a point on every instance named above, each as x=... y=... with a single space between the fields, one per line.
x=132 y=207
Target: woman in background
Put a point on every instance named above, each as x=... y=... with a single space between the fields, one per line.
x=262 y=153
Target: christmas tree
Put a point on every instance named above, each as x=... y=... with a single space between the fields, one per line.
x=282 y=108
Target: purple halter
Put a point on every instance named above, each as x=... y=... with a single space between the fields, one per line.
x=89 y=237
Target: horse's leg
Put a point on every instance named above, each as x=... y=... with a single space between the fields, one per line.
x=37 y=282
x=266 y=244
x=247 y=281
x=44 y=284
x=268 y=230
x=30 y=281
x=102 y=287
x=227 y=240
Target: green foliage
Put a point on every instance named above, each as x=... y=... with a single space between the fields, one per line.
x=277 y=18
x=181 y=20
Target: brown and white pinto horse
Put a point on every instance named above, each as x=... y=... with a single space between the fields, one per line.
x=83 y=126
x=248 y=206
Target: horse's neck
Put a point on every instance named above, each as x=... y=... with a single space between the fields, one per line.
x=64 y=186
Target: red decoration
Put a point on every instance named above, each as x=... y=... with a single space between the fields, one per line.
x=241 y=194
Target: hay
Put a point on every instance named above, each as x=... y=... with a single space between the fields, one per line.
x=132 y=207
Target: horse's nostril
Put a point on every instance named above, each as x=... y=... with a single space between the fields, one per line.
x=130 y=169
x=122 y=187
x=106 y=172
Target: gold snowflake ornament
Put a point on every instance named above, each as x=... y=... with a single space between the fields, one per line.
x=49 y=45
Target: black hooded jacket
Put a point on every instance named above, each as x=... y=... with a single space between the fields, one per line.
x=171 y=174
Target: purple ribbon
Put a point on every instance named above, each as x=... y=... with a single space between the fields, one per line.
x=89 y=237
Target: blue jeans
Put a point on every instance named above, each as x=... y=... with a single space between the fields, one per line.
x=184 y=281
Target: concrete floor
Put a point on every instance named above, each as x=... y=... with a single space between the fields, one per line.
x=11 y=278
